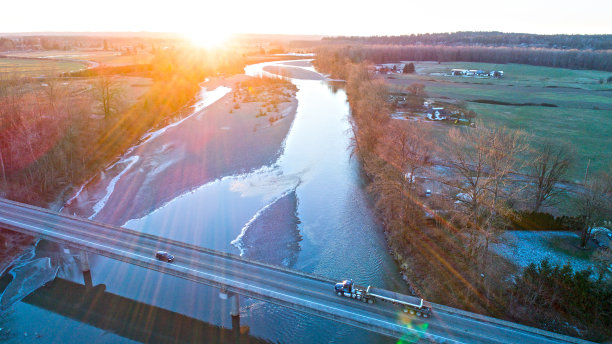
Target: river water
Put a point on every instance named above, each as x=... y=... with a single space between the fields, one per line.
x=307 y=211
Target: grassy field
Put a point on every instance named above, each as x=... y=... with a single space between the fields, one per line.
x=519 y=75
x=582 y=112
x=121 y=60
x=134 y=88
x=525 y=247
x=110 y=58
x=23 y=67
x=588 y=130
x=562 y=97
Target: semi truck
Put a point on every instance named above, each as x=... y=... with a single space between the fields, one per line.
x=409 y=304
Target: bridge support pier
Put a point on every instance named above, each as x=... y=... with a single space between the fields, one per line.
x=236 y=329
x=235 y=305
x=87 y=280
x=84 y=261
x=234 y=301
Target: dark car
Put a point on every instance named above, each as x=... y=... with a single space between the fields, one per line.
x=164 y=256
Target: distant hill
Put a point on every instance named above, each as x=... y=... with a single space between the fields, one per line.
x=490 y=39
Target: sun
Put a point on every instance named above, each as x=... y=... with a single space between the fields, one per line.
x=208 y=39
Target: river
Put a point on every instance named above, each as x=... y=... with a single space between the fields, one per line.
x=308 y=211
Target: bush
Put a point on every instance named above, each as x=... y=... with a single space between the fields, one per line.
x=554 y=292
x=408 y=68
x=537 y=221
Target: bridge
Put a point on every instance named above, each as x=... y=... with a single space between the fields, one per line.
x=278 y=285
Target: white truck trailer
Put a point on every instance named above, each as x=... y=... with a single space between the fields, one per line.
x=409 y=304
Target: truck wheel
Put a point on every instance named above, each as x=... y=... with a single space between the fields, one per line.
x=405 y=310
x=370 y=301
x=339 y=293
x=412 y=311
x=418 y=314
x=425 y=315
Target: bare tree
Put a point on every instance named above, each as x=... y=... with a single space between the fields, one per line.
x=12 y=124
x=406 y=147
x=53 y=91
x=548 y=166
x=481 y=161
x=107 y=90
x=466 y=153
x=594 y=204
x=504 y=148
x=2 y=168
x=369 y=111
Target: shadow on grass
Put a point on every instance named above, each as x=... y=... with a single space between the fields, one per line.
x=569 y=246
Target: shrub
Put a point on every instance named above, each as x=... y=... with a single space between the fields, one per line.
x=538 y=221
x=557 y=291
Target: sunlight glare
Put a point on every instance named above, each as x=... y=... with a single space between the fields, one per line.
x=208 y=39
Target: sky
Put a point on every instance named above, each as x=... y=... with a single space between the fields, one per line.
x=322 y=17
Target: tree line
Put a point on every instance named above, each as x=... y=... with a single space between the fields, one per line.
x=559 y=58
x=493 y=38
x=114 y=41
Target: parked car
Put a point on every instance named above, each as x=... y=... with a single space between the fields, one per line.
x=164 y=256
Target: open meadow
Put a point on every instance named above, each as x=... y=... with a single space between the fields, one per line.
x=587 y=130
x=34 y=67
x=95 y=57
x=549 y=103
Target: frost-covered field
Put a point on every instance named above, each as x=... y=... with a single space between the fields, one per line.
x=525 y=247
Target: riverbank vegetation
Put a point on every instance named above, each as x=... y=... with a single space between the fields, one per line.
x=59 y=130
x=441 y=241
x=491 y=39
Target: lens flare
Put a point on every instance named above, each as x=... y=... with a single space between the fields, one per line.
x=208 y=39
x=414 y=330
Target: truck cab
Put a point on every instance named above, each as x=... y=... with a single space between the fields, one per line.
x=348 y=289
x=345 y=286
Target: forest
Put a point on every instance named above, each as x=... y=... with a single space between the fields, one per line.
x=493 y=38
x=384 y=53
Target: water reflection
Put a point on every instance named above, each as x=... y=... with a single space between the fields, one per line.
x=336 y=85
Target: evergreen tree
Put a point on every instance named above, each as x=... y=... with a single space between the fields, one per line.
x=408 y=68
